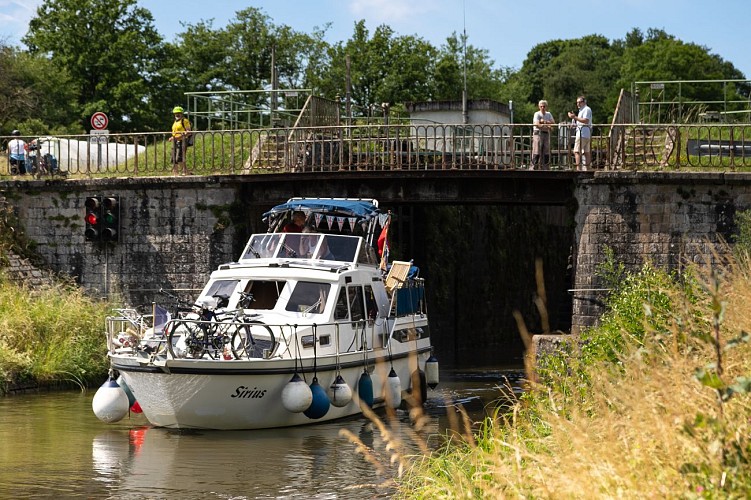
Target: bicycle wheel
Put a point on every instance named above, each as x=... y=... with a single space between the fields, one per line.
x=218 y=334
x=250 y=340
x=186 y=340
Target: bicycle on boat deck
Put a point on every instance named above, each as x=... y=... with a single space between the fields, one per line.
x=220 y=334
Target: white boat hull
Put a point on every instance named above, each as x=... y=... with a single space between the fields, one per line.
x=232 y=395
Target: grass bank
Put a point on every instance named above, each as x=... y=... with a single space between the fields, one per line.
x=50 y=337
x=653 y=404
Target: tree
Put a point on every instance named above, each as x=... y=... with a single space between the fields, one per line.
x=483 y=80
x=662 y=57
x=32 y=88
x=585 y=66
x=244 y=50
x=561 y=70
x=111 y=50
x=370 y=65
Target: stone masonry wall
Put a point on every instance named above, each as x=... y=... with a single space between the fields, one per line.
x=174 y=233
x=669 y=219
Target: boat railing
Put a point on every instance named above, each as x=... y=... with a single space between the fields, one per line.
x=234 y=335
x=125 y=329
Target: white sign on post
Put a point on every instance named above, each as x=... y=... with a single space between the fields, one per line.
x=99 y=136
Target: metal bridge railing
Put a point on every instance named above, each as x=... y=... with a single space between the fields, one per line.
x=381 y=147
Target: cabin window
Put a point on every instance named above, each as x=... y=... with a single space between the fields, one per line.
x=308 y=341
x=298 y=246
x=308 y=244
x=341 y=311
x=221 y=289
x=265 y=293
x=371 y=307
x=308 y=297
x=290 y=247
x=356 y=308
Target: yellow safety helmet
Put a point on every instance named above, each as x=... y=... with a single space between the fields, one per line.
x=177 y=109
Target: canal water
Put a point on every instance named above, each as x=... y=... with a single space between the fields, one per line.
x=52 y=446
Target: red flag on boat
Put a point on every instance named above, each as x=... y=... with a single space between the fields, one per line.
x=383 y=244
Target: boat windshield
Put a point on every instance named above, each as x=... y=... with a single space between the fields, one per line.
x=261 y=246
x=315 y=246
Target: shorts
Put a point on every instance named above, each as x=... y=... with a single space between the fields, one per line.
x=582 y=144
x=17 y=166
x=178 y=152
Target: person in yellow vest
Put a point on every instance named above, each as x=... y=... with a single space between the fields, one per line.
x=180 y=133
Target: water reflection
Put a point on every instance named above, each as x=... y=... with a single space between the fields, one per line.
x=300 y=462
x=52 y=445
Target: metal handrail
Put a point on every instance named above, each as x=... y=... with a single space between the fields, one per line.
x=381 y=147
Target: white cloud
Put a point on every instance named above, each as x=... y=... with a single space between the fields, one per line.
x=14 y=18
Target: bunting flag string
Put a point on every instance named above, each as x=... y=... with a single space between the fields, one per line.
x=319 y=217
x=352 y=221
x=340 y=223
x=330 y=221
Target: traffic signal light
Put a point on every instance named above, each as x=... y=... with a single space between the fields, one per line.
x=110 y=218
x=93 y=217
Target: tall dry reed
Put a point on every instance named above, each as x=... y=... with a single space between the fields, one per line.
x=653 y=404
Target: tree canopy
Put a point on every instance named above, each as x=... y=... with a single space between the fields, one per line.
x=84 y=56
x=110 y=50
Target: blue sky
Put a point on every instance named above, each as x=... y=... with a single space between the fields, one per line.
x=508 y=29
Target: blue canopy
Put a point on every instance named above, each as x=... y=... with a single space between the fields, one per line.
x=344 y=207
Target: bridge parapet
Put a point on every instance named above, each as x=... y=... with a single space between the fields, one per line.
x=419 y=147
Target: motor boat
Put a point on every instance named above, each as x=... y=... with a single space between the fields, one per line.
x=305 y=327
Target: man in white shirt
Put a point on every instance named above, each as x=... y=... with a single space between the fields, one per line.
x=17 y=154
x=583 y=133
x=542 y=121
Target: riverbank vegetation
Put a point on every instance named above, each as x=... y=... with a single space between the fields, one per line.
x=50 y=337
x=652 y=403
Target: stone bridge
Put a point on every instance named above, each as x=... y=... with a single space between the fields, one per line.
x=175 y=231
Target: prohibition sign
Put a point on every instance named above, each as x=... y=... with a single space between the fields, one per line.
x=99 y=121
